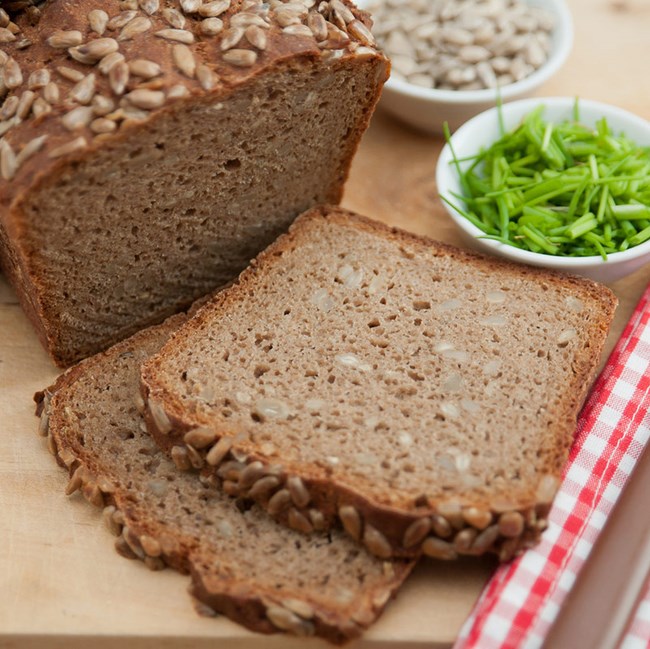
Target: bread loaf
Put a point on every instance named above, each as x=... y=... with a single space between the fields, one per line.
x=149 y=149
x=242 y=564
x=424 y=396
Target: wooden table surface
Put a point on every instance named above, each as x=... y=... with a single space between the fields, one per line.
x=61 y=583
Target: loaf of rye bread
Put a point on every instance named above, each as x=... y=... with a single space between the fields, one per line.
x=423 y=395
x=243 y=564
x=148 y=150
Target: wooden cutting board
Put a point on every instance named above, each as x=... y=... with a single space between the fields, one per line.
x=61 y=583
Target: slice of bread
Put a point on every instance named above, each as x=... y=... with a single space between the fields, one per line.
x=262 y=575
x=424 y=395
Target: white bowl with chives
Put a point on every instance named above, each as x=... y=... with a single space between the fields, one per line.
x=564 y=193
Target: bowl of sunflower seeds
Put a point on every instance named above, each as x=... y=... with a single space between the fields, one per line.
x=453 y=59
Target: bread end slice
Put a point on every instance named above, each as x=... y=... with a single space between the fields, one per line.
x=242 y=564
x=422 y=396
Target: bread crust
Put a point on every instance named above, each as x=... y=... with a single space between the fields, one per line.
x=214 y=80
x=246 y=603
x=454 y=526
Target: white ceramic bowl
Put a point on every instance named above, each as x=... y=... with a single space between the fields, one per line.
x=428 y=109
x=483 y=130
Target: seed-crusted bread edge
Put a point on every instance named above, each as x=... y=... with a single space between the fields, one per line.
x=295 y=498
x=257 y=610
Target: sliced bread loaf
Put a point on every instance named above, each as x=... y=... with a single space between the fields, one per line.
x=264 y=576
x=424 y=395
x=148 y=150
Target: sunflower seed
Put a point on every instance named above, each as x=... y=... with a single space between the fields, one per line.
x=105 y=65
x=150 y=545
x=213 y=9
x=76 y=481
x=144 y=68
x=351 y=521
x=184 y=60
x=317 y=519
x=109 y=521
x=298 y=30
x=190 y=6
x=6 y=36
x=180 y=458
x=284 y=16
x=40 y=107
x=231 y=470
x=38 y=79
x=485 y=540
x=98 y=19
x=137 y=26
x=83 y=92
x=51 y=445
x=117 y=22
x=102 y=105
x=196 y=459
x=211 y=26
x=4 y=18
x=150 y=7
x=118 y=77
x=70 y=73
x=231 y=37
x=206 y=77
x=464 y=539
x=511 y=524
x=62 y=40
x=298 y=521
x=173 y=18
x=25 y=104
x=438 y=549
x=177 y=91
x=240 y=58
x=12 y=74
x=318 y=26
x=176 y=35
x=441 y=526
x=199 y=437
x=342 y=10
x=263 y=486
x=283 y=619
x=546 y=489
x=8 y=164
x=279 y=501
x=251 y=474
x=359 y=31
x=298 y=491
x=299 y=607
x=9 y=107
x=92 y=52
x=452 y=511
x=376 y=542
x=416 y=531
x=159 y=416
x=77 y=118
x=123 y=549
x=478 y=518
x=147 y=100
x=256 y=37
x=219 y=451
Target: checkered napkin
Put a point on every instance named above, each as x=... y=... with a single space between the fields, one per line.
x=519 y=604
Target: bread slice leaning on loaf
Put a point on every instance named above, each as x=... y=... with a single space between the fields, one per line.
x=149 y=150
x=264 y=576
x=423 y=395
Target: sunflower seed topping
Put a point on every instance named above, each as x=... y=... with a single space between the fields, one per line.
x=376 y=542
x=118 y=77
x=318 y=26
x=92 y=52
x=298 y=491
x=256 y=37
x=69 y=147
x=83 y=92
x=298 y=30
x=38 y=79
x=173 y=18
x=102 y=126
x=213 y=9
x=150 y=7
x=98 y=19
x=279 y=501
x=10 y=107
x=351 y=521
x=62 y=40
x=117 y=22
x=8 y=164
x=190 y=6
x=137 y=26
x=299 y=607
x=144 y=68
x=263 y=486
x=102 y=105
x=184 y=60
x=438 y=549
x=240 y=58
x=211 y=26
x=70 y=73
x=146 y=99
x=298 y=521
x=176 y=35
x=12 y=74
x=416 y=531
x=219 y=451
x=105 y=65
x=77 y=118
x=231 y=37
x=207 y=78
x=357 y=29
x=40 y=107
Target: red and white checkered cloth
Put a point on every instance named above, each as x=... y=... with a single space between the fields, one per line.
x=521 y=601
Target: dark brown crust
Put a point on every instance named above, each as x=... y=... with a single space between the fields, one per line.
x=327 y=495
x=40 y=170
x=245 y=604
